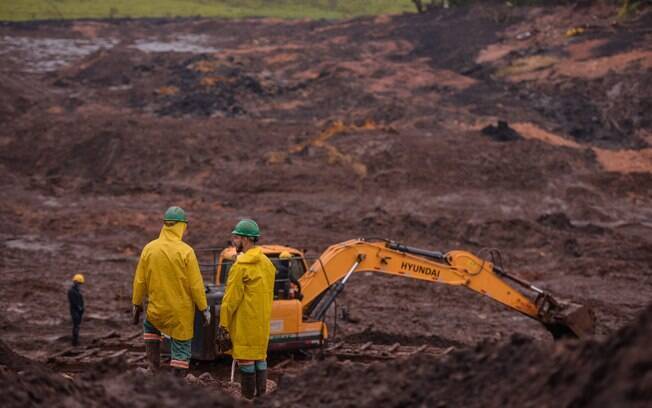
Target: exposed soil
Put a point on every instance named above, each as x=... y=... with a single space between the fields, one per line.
x=514 y=372
x=325 y=131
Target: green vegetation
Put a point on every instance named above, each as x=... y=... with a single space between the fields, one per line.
x=425 y=4
x=22 y=10
x=627 y=7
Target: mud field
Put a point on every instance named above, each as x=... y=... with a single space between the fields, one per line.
x=471 y=129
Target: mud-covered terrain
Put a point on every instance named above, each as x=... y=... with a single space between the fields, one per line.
x=471 y=129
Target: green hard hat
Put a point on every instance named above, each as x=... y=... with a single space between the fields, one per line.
x=175 y=214
x=246 y=228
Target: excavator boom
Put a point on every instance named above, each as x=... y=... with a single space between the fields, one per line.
x=458 y=268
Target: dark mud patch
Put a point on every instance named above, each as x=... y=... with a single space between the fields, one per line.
x=26 y=383
x=501 y=132
x=378 y=337
x=555 y=220
x=630 y=37
x=604 y=111
x=446 y=37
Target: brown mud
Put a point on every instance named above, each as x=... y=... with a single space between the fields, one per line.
x=325 y=131
x=513 y=372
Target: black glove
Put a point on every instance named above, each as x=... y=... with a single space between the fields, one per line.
x=136 y=310
x=223 y=340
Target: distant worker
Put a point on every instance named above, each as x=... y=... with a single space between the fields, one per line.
x=168 y=274
x=284 y=277
x=76 y=301
x=246 y=308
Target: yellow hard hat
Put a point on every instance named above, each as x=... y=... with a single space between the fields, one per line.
x=79 y=278
x=285 y=255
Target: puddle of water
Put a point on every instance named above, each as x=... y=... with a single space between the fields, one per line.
x=48 y=322
x=18 y=308
x=39 y=55
x=50 y=202
x=49 y=54
x=183 y=43
x=28 y=245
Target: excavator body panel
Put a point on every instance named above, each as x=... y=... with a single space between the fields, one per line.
x=290 y=331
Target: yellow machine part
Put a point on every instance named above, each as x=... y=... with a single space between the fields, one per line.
x=291 y=326
x=290 y=331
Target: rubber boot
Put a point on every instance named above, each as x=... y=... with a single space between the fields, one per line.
x=248 y=385
x=261 y=382
x=153 y=351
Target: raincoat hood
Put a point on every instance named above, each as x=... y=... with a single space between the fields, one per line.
x=252 y=256
x=174 y=232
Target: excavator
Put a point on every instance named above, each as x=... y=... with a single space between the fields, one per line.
x=298 y=316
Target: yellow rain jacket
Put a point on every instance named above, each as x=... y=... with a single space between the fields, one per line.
x=168 y=273
x=246 y=308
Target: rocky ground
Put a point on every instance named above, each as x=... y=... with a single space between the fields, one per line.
x=325 y=131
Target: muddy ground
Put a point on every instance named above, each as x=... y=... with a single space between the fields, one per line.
x=322 y=132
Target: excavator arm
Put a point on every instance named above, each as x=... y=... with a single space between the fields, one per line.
x=324 y=280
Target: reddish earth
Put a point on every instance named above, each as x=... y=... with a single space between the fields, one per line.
x=325 y=131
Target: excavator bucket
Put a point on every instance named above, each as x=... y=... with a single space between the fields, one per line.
x=570 y=320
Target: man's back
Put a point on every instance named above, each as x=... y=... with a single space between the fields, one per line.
x=168 y=273
x=165 y=262
x=76 y=301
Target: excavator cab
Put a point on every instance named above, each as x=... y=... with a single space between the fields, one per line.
x=288 y=271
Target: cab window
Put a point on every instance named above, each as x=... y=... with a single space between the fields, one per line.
x=297 y=267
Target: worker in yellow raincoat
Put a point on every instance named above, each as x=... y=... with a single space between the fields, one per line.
x=168 y=274
x=246 y=308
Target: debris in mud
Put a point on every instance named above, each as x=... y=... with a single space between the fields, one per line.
x=324 y=142
x=501 y=132
x=27 y=383
x=519 y=371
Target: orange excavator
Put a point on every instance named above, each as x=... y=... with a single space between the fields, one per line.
x=298 y=315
